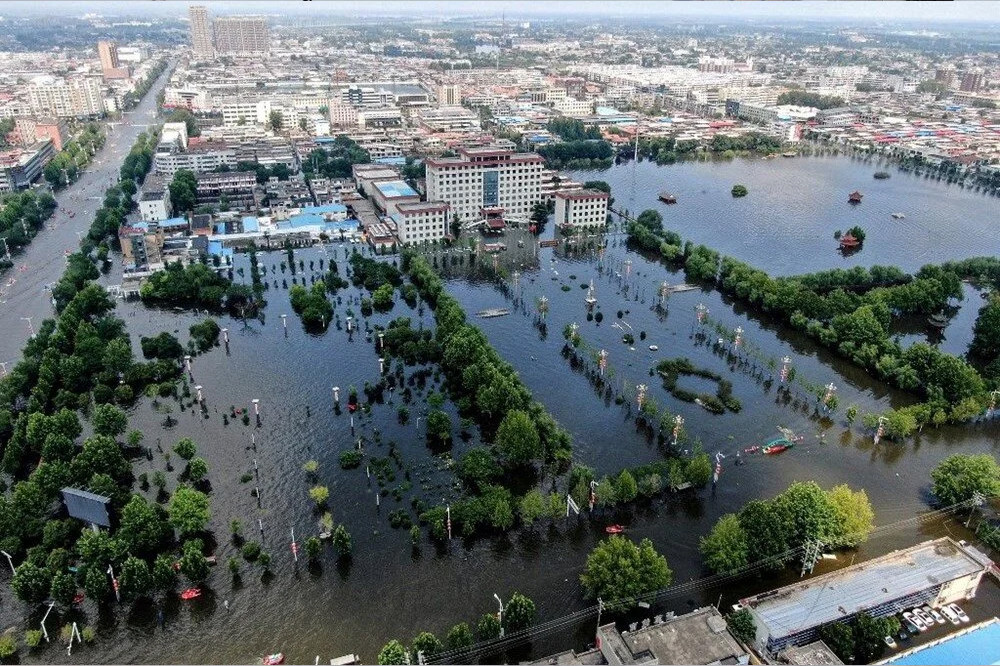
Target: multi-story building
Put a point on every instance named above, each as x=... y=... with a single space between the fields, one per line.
x=448 y=119
x=19 y=168
x=388 y=194
x=110 y=65
x=237 y=189
x=201 y=32
x=421 y=222
x=343 y=115
x=154 y=202
x=246 y=113
x=449 y=94
x=199 y=158
x=486 y=178
x=389 y=116
x=142 y=245
x=66 y=98
x=577 y=209
x=972 y=80
x=193 y=99
x=241 y=35
x=31 y=130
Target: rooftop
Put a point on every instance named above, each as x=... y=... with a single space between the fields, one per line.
x=699 y=637
x=840 y=594
x=812 y=654
x=396 y=188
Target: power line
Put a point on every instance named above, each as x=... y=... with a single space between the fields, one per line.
x=525 y=635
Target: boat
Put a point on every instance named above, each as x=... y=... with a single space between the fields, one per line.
x=854 y=197
x=881 y=175
x=897 y=216
x=667 y=198
x=790 y=153
x=272 y=659
x=614 y=529
x=653 y=348
x=191 y=593
x=938 y=320
x=751 y=449
x=777 y=445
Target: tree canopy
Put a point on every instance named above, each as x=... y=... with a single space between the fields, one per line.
x=618 y=572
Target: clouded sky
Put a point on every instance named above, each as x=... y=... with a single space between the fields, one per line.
x=966 y=10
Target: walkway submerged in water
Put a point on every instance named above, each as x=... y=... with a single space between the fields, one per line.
x=493 y=312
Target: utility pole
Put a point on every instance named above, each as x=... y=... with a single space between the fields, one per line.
x=811 y=556
x=31 y=329
x=500 y=615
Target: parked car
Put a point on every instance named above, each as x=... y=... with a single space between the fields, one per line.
x=950 y=614
x=903 y=635
x=928 y=620
x=891 y=643
x=915 y=620
x=959 y=612
x=934 y=614
x=909 y=624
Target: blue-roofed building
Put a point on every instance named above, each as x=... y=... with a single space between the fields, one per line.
x=978 y=644
x=332 y=212
x=174 y=224
x=397 y=160
x=386 y=195
x=251 y=225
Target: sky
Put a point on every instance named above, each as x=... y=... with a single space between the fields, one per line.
x=959 y=10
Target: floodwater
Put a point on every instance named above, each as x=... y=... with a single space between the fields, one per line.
x=390 y=590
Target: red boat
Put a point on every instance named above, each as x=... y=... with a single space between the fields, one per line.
x=191 y=593
x=272 y=659
x=352 y=406
x=78 y=598
x=614 y=529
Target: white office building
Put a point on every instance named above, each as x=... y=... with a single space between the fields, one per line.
x=421 y=222
x=66 y=98
x=577 y=209
x=486 y=178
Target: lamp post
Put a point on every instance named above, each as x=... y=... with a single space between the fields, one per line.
x=31 y=329
x=500 y=614
x=10 y=560
x=45 y=617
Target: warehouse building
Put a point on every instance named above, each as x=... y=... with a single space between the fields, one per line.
x=935 y=572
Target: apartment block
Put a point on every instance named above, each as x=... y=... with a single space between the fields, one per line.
x=421 y=222
x=66 y=98
x=241 y=35
x=578 y=209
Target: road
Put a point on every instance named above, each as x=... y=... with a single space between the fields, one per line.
x=23 y=288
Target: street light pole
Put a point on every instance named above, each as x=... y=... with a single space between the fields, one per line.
x=500 y=616
x=9 y=560
x=31 y=328
x=44 y=630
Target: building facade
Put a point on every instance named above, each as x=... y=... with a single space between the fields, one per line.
x=20 y=168
x=486 y=177
x=201 y=158
x=154 y=203
x=201 y=32
x=236 y=189
x=241 y=35
x=449 y=94
x=421 y=222
x=579 y=209
x=66 y=98
x=110 y=65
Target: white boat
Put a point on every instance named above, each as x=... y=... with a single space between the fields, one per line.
x=898 y=216
x=653 y=348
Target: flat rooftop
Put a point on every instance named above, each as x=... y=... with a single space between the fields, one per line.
x=699 y=637
x=841 y=594
x=816 y=653
x=396 y=188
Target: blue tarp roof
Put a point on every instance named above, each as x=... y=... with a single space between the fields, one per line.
x=979 y=646
x=321 y=210
x=174 y=222
x=396 y=188
x=216 y=250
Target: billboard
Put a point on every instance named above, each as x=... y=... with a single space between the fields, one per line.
x=87 y=506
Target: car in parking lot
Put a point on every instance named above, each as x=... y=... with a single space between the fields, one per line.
x=926 y=617
x=951 y=615
x=959 y=612
x=914 y=621
x=934 y=614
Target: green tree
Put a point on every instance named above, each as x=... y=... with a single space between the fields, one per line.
x=517 y=438
x=958 y=477
x=840 y=638
x=8 y=645
x=478 y=467
x=188 y=511
x=854 y=515
x=741 y=625
x=135 y=579
x=626 y=489
x=438 y=426
x=63 y=588
x=382 y=298
x=726 y=548
x=183 y=191
x=140 y=527
x=197 y=469
x=868 y=634
x=275 y=121
x=392 y=652
x=519 y=613
x=768 y=527
x=342 y=541
x=194 y=564
x=313 y=548
x=164 y=575
x=488 y=627
x=427 y=643
x=185 y=448
x=618 y=571
x=532 y=507
x=31 y=583
x=319 y=495
x=459 y=636
x=96 y=583
x=812 y=514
